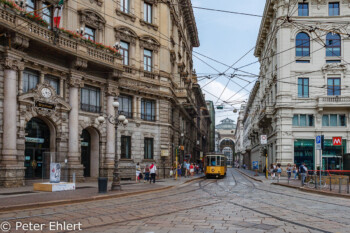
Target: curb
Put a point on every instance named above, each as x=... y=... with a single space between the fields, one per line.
x=88 y=199
x=314 y=191
x=251 y=177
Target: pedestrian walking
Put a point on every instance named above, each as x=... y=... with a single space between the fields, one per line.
x=153 y=170
x=279 y=172
x=179 y=170
x=303 y=173
x=272 y=171
x=295 y=171
x=289 y=171
x=146 y=172
x=192 y=169
x=138 y=172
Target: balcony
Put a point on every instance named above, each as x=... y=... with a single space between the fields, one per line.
x=65 y=42
x=333 y=102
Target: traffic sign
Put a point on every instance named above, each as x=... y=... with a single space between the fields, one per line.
x=263 y=139
x=337 y=141
x=318 y=143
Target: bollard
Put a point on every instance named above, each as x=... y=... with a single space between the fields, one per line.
x=339 y=185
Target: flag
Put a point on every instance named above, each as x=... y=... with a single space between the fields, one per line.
x=58 y=14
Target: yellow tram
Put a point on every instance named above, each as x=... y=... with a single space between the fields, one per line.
x=215 y=165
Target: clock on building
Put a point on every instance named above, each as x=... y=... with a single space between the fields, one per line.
x=46 y=92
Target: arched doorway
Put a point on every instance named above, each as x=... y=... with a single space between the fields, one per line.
x=227 y=146
x=90 y=152
x=37 y=148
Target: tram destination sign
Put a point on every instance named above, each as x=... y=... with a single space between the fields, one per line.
x=40 y=104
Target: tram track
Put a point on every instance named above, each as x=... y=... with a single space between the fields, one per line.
x=253 y=187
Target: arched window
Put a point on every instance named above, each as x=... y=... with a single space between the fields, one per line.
x=333 y=45
x=302 y=45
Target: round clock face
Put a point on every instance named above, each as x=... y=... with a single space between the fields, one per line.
x=46 y=92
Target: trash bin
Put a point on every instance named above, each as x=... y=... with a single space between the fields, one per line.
x=102 y=184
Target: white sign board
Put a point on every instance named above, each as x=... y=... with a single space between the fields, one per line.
x=318 y=143
x=263 y=139
x=55 y=172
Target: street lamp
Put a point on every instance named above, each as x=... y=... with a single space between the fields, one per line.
x=118 y=119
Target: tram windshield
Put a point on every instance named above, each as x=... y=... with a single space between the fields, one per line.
x=215 y=160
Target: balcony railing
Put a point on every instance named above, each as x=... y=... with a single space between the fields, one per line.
x=333 y=101
x=90 y=108
x=34 y=31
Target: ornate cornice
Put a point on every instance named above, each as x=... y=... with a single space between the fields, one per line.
x=125 y=15
x=187 y=11
x=92 y=18
x=125 y=34
x=149 y=43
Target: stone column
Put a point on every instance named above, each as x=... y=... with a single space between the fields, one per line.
x=74 y=162
x=110 y=145
x=11 y=172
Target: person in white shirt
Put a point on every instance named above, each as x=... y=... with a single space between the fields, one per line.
x=153 y=170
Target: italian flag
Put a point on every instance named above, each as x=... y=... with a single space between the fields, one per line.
x=58 y=14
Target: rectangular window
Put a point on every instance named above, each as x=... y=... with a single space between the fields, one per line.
x=334 y=86
x=334 y=9
x=147 y=60
x=30 y=80
x=125 y=105
x=124 y=50
x=147 y=8
x=90 y=33
x=303 y=87
x=125 y=6
x=303 y=120
x=303 y=9
x=47 y=12
x=125 y=148
x=148 y=108
x=302 y=61
x=54 y=82
x=334 y=120
x=333 y=61
x=148 y=148
x=30 y=5
x=90 y=99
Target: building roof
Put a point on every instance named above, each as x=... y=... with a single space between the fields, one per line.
x=227 y=124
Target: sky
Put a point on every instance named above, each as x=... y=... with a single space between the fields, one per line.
x=226 y=38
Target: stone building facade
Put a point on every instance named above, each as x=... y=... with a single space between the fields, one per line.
x=302 y=91
x=55 y=83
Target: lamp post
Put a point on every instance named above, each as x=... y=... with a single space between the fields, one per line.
x=118 y=119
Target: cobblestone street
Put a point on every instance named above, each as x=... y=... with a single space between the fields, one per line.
x=233 y=204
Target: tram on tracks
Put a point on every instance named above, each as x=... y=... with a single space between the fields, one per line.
x=215 y=165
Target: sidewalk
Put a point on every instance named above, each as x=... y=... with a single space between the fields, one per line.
x=25 y=197
x=296 y=184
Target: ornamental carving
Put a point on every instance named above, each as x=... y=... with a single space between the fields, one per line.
x=79 y=63
x=112 y=90
x=12 y=63
x=19 y=42
x=148 y=42
x=42 y=103
x=137 y=85
x=125 y=34
x=76 y=81
x=92 y=18
x=334 y=68
x=172 y=56
x=98 y=2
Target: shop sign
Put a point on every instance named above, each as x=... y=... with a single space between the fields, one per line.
x=35 y=140
x=201 y=155
x=40 y=104
x=164 y=153
x=84 y=144
x=337 y=141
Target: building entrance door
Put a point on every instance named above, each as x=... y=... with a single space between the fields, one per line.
x=37 y=142
x=86 y=152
